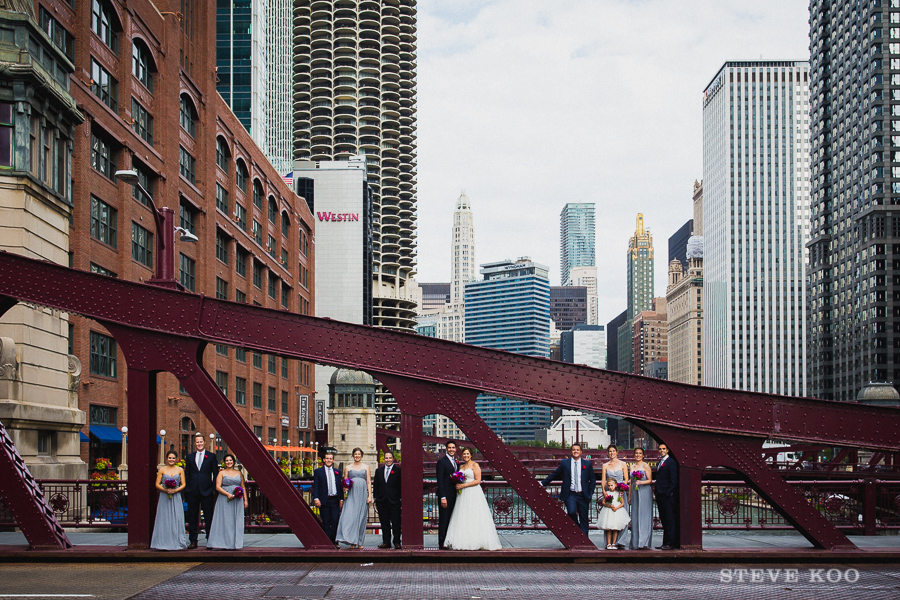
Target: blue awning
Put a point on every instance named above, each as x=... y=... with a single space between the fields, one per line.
x=84 y=438
x=106 y=434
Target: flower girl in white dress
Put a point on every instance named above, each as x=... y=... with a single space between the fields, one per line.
x=613 y=516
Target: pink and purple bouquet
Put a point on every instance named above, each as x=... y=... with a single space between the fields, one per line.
x=622 y=486
x=608 y=498
x=458 y=477
x=170 y=484
x=347 y=483
x=638 y=475
x=237 y=493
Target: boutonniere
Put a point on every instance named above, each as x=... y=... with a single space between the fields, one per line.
x=583 y=468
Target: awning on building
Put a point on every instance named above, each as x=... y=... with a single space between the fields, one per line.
x=106 y=434
x=84 y=438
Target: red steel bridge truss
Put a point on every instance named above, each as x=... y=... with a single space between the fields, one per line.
x=160 y=329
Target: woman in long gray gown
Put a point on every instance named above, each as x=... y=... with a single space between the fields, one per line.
x=168 y=530
x=355 y=513
x=640 y=530
x=227 y=531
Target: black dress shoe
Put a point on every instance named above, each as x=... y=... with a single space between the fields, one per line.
x=665 y=547
x=384 y=546
x=398 y=547
x=192 y=546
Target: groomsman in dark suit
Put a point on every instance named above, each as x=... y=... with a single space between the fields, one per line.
x=386 y=489
x=445 y=469
x=576 y=490
x=328 y=496
x=200 y=471
x=666 y=483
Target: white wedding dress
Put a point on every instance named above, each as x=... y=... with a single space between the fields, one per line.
x=472 y=524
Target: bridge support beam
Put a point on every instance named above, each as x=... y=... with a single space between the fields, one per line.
x=697 y=450
x=142 y=456
x=690 y=529
x=411 y=476
x=422 y=397
x=148 y=353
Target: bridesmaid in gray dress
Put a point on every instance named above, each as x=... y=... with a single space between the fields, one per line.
x=355 y=514
x=641 y=504
x=227 y=531
x=168 y=530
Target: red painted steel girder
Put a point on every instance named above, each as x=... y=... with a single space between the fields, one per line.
x=26 y=501
x=496 y=372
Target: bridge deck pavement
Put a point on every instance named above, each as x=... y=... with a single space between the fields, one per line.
x=517 y=547
x=471 y=580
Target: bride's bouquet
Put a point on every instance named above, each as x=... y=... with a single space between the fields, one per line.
x=458 y=477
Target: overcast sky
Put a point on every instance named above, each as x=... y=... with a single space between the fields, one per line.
x=530 y=104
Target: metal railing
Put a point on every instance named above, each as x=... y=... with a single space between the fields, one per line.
x=867 y=505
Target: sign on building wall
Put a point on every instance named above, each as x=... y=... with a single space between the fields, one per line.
x=320 y=414
x=304 y=412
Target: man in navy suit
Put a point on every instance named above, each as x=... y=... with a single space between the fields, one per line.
x=200 y=471
x=386 y=489
x=328 y=496
x=576 y=492
x=666 y=481
x=444 y=470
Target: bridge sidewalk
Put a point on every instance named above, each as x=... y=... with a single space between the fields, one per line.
x=517 y=547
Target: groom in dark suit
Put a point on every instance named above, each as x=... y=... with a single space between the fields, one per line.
x=666 y=483
x=328 y=496
x=386 y=489
x=200 y=471
x=576 y=492
x=445 y=469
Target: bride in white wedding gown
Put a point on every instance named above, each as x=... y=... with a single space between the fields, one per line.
x=472 y=524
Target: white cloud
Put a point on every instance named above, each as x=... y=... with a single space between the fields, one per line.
x=529 y=104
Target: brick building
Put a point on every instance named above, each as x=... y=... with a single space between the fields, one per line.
x=145 y=81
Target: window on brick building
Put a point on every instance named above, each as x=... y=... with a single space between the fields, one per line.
x=222 y=154
x=142 y=64
x=188 y=115
x=104 y=24
x=241 y=175
x=141 y=245
x=103 y=354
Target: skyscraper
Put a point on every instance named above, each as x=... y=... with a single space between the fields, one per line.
x=279 y=91
x=355 y=94
x=254 y=69
x=755 y=206
x=640 y=290
x=684 y=297
x=855 y=228
x=576 y=238
x=568 y=306
x=241 y=63
x=509 y=309
x=462 y=250
x=678 y=242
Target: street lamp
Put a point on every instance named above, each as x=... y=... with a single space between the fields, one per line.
x=164 y=217
x=162 y=446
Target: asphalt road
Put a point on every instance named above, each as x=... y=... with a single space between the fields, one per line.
x=242 y=581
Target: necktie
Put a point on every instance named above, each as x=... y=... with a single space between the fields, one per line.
x=330 y=475
x=387 y=473
x=453 y=462
x=199 y=460
x=576 y=476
